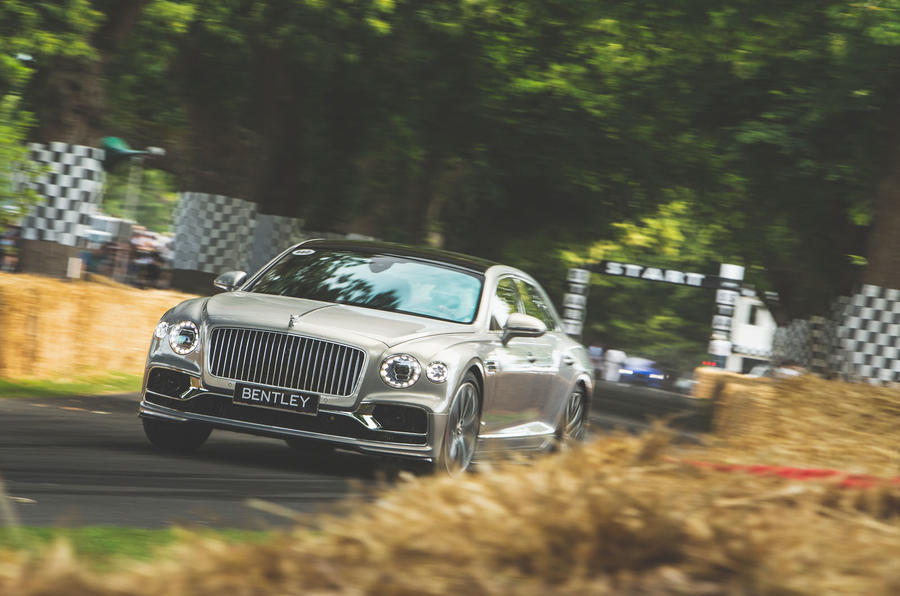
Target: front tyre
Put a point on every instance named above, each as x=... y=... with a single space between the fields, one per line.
x=461 y=431
x=572 y=425
x=176 y=437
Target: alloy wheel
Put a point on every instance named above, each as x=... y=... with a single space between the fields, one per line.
x=572 y=426
x=462 y=428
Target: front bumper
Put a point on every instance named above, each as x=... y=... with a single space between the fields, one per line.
x=347 y=430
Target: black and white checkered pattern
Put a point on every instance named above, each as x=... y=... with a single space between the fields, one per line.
x=836 y=360
x=72 y=188
x=822 y=344
x=213 y=233
x=860 y=340
x=870 y=335
x=273 y=234
x=793 y=342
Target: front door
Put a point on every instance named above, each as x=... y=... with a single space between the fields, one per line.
x=516 y=377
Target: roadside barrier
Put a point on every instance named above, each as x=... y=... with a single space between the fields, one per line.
x=54 y=329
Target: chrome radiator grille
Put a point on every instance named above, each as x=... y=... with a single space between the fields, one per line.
x=284 y=360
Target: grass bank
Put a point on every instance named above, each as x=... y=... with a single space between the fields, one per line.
x=623 y=515
x=103 y=548
x=92 y=385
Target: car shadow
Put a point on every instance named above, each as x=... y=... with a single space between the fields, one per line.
x=260 y=453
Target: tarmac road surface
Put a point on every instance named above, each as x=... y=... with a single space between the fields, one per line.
x=85 y=461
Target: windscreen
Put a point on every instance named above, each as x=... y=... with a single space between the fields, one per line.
x=380 y=281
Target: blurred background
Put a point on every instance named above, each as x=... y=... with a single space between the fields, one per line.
x=544 y=134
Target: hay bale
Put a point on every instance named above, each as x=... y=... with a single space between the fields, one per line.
x=55 y=329
x=612 y=518
x=711 y=381
x=807 y=421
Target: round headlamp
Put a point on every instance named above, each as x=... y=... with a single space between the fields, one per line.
x=437 y=372
x=161 y=330
x=400 y=371
x=184 y=337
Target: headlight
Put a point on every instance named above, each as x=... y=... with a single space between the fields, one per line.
x=625 y=371
x=437 y=372
x=184 y=337
x=400 y=371
x=161 y=330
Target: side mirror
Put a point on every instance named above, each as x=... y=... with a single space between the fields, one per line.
x=519 y=325
x=230 y=280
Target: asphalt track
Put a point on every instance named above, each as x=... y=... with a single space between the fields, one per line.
x=85 y=461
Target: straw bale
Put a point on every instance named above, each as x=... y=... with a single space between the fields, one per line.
x=811 y=422
x=64 y=329
x=615 y=517
x=622 y=515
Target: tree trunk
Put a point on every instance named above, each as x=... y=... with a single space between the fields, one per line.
x=74 y=91
x=76 y=102
x=883 y=268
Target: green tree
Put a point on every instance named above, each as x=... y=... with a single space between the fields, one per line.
x=665 y=322
x=155 y=201
x=16 y=169
x=505 y=128
x=29 y=33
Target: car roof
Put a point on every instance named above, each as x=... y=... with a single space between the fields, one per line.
x=401 y=250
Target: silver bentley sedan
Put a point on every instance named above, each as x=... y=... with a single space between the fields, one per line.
x=373 y=347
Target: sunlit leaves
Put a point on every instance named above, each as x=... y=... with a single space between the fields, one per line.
x=32 y=35
x=16 y=169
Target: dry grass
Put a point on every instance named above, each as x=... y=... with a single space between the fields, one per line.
x=809 y=422
x=54 y=329
x=616 y=517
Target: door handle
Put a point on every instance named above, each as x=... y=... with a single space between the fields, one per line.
x=532 y=358
x=568 y=360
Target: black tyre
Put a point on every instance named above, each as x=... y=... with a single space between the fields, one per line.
x=461 y=432
x=176 y=437
x=573 y=423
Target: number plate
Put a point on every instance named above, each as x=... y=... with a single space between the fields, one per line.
x=278 y=399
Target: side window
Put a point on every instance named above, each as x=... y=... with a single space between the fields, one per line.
x=534 y=304
x=503 y=303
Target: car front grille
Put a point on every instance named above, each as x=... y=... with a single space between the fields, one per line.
x=285 y=360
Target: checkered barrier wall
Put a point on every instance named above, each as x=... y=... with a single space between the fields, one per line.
x=869 y=335
x=213 y=233
x=811 y=343
x=836 y=359
x=823 y=343
x=272 y=234
x=71 y=190
x=860 y=340
x=792 y=342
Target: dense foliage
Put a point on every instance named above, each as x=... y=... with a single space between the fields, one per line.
x=759 y=132
x=154 y=205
